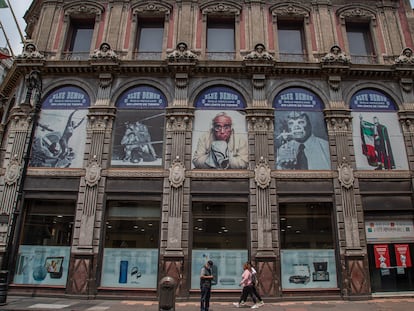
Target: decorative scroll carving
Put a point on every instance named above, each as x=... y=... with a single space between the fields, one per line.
x=152 y=8
x=178 y=123
x=335 y=55
x=80 y=8
x=221 y=8
x=289 y=10
x=346 y=175
x=104 y=53
x=13 y=171
x=406 y=84
x=359 y=12
x=406 y=57
x=338 y=124
x=258 y=123
x=262 y=174
x=93 y=173
x=182 y=53
x=259 y=54
x=177 y=174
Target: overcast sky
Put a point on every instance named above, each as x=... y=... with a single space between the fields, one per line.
x=20 y=7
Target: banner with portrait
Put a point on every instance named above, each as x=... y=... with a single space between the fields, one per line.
x=301 y=138
x=377 y=135
x=60 y=135
x=220 y=132
x=139 y=128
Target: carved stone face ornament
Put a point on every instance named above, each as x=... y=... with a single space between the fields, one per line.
x=177 y=174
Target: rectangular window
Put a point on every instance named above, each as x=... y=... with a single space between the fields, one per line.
x=80 y=39
x=221 y=38
x=307 y=246
x=150 y=39
x=291 y=41
x=220 y=235
x=360 y=43
x=44 y=251
x=131 y=244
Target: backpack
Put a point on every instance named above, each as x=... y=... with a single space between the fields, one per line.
x=255 y=282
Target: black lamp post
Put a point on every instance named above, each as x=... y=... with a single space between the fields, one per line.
x=33 y=94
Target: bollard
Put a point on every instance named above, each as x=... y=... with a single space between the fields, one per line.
x=167 y=294
x=3 y=286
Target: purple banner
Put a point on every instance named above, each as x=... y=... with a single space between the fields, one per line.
x=142 y=97
x=220 y=98
x=297 y=99
x=371 y=100
x=69 y=97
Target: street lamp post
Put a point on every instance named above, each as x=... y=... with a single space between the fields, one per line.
x=33 y=95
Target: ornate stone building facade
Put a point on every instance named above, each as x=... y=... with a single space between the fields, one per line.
x=141 y=138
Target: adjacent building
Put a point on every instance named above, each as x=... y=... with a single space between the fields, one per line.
x=140 y=139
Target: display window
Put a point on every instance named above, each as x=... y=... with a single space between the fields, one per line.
x=307 y=246
x=130 y=257
x=44 y=251
x=219 y=234
x=390 y=254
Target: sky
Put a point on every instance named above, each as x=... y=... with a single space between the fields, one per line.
x=19 y=8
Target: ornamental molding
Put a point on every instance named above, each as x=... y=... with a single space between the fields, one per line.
x=360 y=12
x=93 y=173
x=13 y=172
x=151 y=8
x=82 y=8
x=290 y=10
x=262 y=174
x=346 y=175
x=177 y=174
x=221 y=8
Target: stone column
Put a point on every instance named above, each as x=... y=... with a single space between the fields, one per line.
x=353 y=253
x=263 y=205
x=89 y=212
x=176 y=186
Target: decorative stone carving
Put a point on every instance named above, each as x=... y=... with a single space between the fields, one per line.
x=181 y=53
x=259 y=53
x=93 y=173
x=346 y=175
x=335 y=55
x=104 y=53
x=30 y=52
x=262 y=174
x=406 y=57
x=13 y=171
x=177 y=174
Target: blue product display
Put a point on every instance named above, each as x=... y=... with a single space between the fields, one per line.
x=123 y=271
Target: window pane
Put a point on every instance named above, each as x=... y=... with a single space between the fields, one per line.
x=220 y=36
x=150 y=39
x=359 y=42
x=290 y=41
x=82 y=38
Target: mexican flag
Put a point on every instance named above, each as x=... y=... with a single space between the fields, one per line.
x=367 y=138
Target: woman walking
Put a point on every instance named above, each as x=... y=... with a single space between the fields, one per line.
x=246 y=283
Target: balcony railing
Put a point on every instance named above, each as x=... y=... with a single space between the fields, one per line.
x=221 y=55
x=364 y=59
x=291 y=57
x=75 y=55
x=147 y=55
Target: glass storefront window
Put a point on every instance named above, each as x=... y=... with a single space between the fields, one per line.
x=131 y=244
x=220 y=235
x=307 y=246
x=44 y=251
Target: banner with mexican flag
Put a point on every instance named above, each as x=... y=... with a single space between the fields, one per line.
x=368 y=143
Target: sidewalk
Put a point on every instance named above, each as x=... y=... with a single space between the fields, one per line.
x=55 y=304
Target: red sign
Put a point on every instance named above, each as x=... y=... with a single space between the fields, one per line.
x=402 y=254
x=382 y=257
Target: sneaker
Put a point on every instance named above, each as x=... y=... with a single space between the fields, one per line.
x=255 y=306
x=260 y=303
x=242 y=303
x=236 y=304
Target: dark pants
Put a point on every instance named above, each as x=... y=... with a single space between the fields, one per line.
x=205 y=297
x=247 y=290
x=255 y=293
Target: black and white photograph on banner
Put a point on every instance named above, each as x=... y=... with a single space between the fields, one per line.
x=138 y=138
x=301 y=139
x=61 y=130
x=377 y=135
x=220 y=140
x=139 y=127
